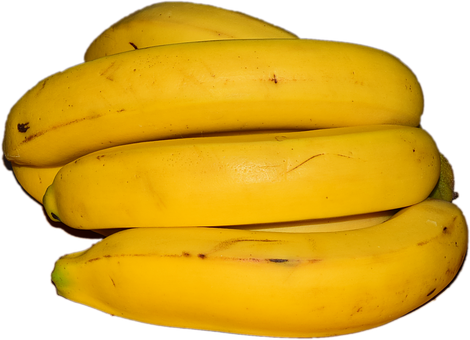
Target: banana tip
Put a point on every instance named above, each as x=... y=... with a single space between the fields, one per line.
x=50 y=204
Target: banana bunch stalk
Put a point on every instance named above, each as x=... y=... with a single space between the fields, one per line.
x=219 y=153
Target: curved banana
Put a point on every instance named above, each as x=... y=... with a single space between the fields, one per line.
x=35 y=181
x=247 y=179
x=184 y=89
x=271 y=284
x=177 y=22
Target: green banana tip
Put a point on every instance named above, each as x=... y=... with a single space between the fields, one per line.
x=445 y=187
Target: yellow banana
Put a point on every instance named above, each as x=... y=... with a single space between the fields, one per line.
x=246 y=179
x=35 y=181
x=183 y=89
x=177 y=22
x=271 y=284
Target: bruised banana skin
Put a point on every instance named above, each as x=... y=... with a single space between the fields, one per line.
x=178 y=22
x=177 y=90
x=246 y=179
x=271 y=284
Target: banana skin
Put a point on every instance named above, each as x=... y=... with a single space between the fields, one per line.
x=178 y=22
x=35 y=181
x=271 y=284
x=246 y=179
x=177 y=90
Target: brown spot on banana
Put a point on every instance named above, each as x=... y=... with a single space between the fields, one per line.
x=273 y=79
x=23 y=127
x=228 y=243
x=314 y=156
x=40 y=133
x=308 y=159
x=432 y=291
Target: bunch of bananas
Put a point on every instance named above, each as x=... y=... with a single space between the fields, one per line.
x=245 y=180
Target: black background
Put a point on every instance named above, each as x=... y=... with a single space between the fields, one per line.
x=41 y=38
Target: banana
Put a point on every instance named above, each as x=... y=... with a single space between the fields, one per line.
x=35 y=181
x=271 y=284
x=178 y=22
x=246 y=179
x=184 y=89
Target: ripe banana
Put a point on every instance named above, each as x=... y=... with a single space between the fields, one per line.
x=271 y=284
x=35 y=180
x=183 y=89
x=177 y=22
x=246 y=179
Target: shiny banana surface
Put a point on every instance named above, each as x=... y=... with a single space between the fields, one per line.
x=247 y=179
x=177 y=90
